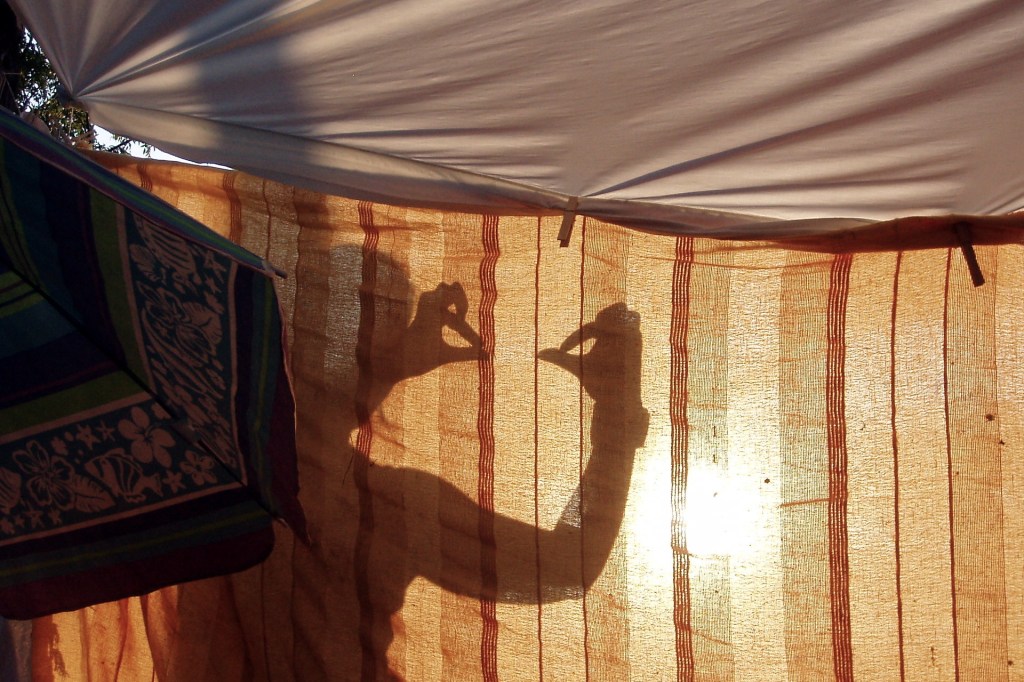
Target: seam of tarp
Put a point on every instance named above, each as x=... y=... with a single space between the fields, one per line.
x=328 y=177
x=531 y=196
x=356 y=173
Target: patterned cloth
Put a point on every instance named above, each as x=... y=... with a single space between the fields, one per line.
x=146 y=422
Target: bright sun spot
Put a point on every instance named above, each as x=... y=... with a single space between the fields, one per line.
x=713 y=524
x=717 y=515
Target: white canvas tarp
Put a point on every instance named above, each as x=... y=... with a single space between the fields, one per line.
x=705 y=116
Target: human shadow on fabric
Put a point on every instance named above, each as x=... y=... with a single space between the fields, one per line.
x=379 y=524
x=566 y=559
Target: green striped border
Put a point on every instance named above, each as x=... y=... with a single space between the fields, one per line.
x=48 y=150
x=207 y=529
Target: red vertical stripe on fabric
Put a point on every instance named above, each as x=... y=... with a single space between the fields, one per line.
x=583 y=537
x=896 y=463
x=234 y=207
x=536 y=455
x=364 y=440
x=122 y=607
x=270 y=219
x=678 y=398
x=838 y=540
x=485 y=431
x=145 y=181
x=949 y=462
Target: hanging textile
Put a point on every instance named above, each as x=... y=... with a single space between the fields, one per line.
x=636 y=457
x=146 y=420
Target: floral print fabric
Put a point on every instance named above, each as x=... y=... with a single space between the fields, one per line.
x=146 y=422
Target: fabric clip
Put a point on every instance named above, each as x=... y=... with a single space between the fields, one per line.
x=568 y=220
x=963 y=235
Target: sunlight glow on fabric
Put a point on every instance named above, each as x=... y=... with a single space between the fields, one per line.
x=715 y=523
x=769 y=531
x=713 y=527
x=648 y=526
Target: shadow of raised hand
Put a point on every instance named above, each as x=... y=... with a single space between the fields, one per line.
x=575 y=551
x=610 y=374
x=400 y=503
x=444 y=307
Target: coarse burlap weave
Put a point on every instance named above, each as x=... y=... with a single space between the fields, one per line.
x=639 y=457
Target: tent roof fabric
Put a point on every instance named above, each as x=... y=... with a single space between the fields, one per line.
x=721 y=118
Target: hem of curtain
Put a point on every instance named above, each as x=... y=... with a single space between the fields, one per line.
x=70 y=592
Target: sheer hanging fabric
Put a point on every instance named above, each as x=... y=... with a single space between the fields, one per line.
x=636 y=457
x=700 y=117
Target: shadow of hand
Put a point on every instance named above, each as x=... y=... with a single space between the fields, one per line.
x=443 y=307
x=609 y=372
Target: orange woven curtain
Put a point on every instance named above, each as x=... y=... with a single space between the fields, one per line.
x=639 y=457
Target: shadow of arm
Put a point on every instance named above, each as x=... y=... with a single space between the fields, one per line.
x=561 y=562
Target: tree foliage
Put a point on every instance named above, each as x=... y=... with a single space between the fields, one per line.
x=30 y=86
